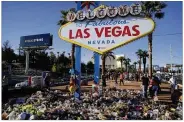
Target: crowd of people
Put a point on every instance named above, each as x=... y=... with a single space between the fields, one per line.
x=113 y=104
x=126 y=76
x=150 y=85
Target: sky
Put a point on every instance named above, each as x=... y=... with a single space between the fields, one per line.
x=31 y=18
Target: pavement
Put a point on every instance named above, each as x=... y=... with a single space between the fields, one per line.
x=163 y=96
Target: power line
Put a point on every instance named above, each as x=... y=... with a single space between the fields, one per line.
x=171 y=34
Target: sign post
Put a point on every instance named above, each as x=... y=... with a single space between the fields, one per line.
x=96 y=67
x=27 y=62
x=78 y=64
x=96 y=60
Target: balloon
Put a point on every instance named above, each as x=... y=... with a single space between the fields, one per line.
x=71 y=88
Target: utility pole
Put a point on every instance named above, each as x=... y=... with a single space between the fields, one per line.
x=171 y=58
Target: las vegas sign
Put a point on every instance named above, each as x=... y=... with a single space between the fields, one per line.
x=104 y=30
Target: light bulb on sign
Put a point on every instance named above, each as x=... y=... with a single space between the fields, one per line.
x=101 y=13
x=90 y=14
x=135 y=9
x=71 y=16
x=112 y=11
x=80 y=15
x=123 y=10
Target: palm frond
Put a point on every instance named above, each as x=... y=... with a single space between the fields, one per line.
x=159 y=15
x=73 y=9
x=163 y=5
x=153 y=8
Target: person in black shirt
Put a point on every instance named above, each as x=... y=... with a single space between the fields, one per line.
x=116 y=77
x=103 y=80
x=145 y=83
x=47 y=80
x=175 y=96
x=136 y=77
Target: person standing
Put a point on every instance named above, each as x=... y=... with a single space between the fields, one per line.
x=116 y=77
x=121 y=78
x=47 y=80
x=150 y=87
x=155 y=86
x=175 y=96
x=145 y=82
x=173 y=83
x=104 y=80
x=137 y=77
x=109 y=75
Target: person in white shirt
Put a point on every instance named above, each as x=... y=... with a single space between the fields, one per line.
x=173 y=83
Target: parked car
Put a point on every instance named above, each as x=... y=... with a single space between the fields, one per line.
x=21 y=84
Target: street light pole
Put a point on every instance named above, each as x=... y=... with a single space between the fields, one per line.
x=171 y=58
x=86 y=73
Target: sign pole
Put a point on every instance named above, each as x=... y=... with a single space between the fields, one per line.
x=96 y=67
x=27 y=61
x=96 y=59
x=78 y=64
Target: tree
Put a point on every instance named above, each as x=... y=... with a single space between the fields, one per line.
x=52 y=58
x=135 y=63
x=131 y=68
x=139 y=55
x=121 y=59
x=40 y=60
x=144 y=56
x=8 y=54
x=152 y=9
x=63 y=63
x=62 y=22
x=83 y=67
x=104 y=56
x=54 y=68
x=90 y=67
x=127 y=63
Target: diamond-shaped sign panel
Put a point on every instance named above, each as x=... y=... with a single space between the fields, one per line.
x=102 y=35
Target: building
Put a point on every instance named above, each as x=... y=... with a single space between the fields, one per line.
x=156 y=67
x=111 y=63
x=175 y=67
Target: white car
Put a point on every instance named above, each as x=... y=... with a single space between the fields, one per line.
x=21 y=84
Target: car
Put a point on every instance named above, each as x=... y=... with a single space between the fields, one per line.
x=21 y=84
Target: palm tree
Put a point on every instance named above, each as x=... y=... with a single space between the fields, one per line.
x=152 y=9
x=121 y=59
x=144 y=55
x=62 y=22
x=104 y=56
x=139 y=54
x=135 y=63
x=127 y=63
